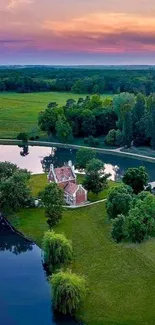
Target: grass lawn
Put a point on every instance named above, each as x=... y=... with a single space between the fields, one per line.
x=19 y=112
x=121 y=279
x=39 y=181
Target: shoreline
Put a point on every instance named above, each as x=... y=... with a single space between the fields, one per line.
x=115 y=152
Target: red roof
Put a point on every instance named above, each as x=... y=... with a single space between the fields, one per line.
x=64 y=174
x=71 y=188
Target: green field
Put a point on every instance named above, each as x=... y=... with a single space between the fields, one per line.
x=121 y=278
x=19 y=112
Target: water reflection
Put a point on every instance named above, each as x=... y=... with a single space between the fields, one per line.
x=25 y=151
x=9 y=241
x=25 y=294
x=39 y=159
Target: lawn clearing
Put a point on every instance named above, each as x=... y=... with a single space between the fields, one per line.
x=121 y=279
x=19 y=112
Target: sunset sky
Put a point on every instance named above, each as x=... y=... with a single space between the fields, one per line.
x=77 y=32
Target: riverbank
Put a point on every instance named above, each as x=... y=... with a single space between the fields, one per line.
x=113 y=272
x=116 y=152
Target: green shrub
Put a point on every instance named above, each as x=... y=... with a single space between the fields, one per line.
x=68 y=292
x=91 y=141
x=110 y=139
x=114 y=138
x=57 y=249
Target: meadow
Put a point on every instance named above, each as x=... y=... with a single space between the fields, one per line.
x=120 y=277
x=19 y=112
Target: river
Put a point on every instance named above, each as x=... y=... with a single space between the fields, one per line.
x=39 y=159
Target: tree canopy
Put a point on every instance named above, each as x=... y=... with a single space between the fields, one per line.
x=137 y=178
x=53 y=199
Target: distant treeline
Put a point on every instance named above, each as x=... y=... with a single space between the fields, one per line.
x=77 y=80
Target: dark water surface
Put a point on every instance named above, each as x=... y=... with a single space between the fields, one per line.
x=25 y=297
x=39 y=159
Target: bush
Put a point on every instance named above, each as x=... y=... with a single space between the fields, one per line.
x=119 y=201
x=110 y=139
x=68 y=292
x=114 y=138
x=57 y=249
x=91 y=141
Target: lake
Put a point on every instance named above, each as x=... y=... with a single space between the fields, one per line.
x=38 y=160
x=25 y=297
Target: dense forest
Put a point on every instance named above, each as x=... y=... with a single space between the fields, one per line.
x=123 y=120
x=80 y=80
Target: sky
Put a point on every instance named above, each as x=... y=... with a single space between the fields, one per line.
x=73 y=32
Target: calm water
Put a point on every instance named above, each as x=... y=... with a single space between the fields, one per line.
x=24 y=291
x=39 y=159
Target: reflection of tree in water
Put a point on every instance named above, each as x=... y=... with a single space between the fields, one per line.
x=10 y=241
x=25 y=151
x=58 y=158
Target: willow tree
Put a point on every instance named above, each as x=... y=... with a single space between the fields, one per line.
x=57 y=249
x=68 y=292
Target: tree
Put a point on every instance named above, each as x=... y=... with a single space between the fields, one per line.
x=7 y=169
x=106 y=120
x=83 y=156
x=69 y=291
x=127 y=129
x=2 y=86
x=53 y=199
x=70 y=103
x=64 y=130
x=139 y=108
x=47 y=119
x=121 y=104
x=118 y=228
x=137 y=178
x=153 y=127
x=15 y=193
x=23 y=137
x=142 y=132
x=52 y=105
x=95 y=179
x=119 y=201
x=57 y=249
x=88 y=123
x=94 y=103
x=151 y=106
x=111 y=138
x=140 y=224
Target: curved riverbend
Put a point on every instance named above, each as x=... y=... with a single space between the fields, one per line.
x=25 y=296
